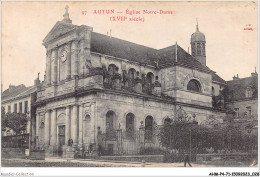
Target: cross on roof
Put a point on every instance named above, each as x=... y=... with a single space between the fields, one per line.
x=66 y=9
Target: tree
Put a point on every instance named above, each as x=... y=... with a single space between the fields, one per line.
x=3 y=120
x=16 y=121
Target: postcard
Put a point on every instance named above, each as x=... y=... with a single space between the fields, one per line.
x=143 y=84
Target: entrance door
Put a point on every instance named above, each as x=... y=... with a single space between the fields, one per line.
x=61 y=138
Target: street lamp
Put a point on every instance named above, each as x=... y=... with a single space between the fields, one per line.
x=193 y=122
x=28 y=121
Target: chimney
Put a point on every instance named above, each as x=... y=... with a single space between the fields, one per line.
x=11 y=88
x=110 y=34
x=37 y=80
x=235 y=77
x=254 y=74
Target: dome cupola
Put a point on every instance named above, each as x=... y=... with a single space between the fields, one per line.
x=198 y=36
x=198 y=44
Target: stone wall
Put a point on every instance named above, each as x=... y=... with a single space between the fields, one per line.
x=12 y=153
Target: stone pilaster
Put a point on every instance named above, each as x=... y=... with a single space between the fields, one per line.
x=53 y=116
x=81 y=67
x=74 y=58
x=74 y=125
x=37 y=123
x=55 y=65
x=81 y=114
x=46 y=129
x=48 y=60
x=68 y=124
x=68 y=65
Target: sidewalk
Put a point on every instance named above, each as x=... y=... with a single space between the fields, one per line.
x=60 y=162
x=57 y=162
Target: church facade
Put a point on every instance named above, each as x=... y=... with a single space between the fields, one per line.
x=100 y=85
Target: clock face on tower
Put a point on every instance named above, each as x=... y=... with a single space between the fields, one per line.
x=63 y=55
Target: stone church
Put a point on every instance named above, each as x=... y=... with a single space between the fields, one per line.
x=96 y=84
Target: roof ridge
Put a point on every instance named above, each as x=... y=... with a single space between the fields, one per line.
x=124 y=40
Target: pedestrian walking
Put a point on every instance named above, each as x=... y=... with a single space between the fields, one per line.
x=186 y=159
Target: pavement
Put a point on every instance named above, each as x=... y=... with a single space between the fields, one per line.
x=60 y=162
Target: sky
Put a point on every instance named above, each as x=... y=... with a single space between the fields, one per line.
x=231 y=46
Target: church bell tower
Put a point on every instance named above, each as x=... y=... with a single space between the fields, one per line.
x=198 y=43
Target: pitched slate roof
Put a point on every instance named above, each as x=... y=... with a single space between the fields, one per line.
x=168 y=56
x=216 y=78
x=122 y=49
x=17 y=91
x=13 y=91
x=134 y=52
x=236 y=89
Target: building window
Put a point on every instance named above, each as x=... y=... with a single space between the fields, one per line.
x=194 y=85
x=199 y=49
x=249 y=92
x=112 y=69
x=110 y=120
x=9 y=108
x=131 y=77
x=110 y=125
x=25 y=106
x=20 y=107
x=213 y=91
x=237 y=112
x=150 y=78
x=15 y=107
x=167 y=121
x=130 y=125
x=149 y=128
x=248 y=111
x=193 y=49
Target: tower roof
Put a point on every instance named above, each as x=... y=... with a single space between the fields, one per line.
x=198 y=36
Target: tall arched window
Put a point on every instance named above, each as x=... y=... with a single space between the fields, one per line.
x=110 y=120
x=86 y=125
x=131 y=76
x=150 y=77
x=112 y=69
x=199 y=49
x=149 y=128
x=130 y=125
x=194 y=85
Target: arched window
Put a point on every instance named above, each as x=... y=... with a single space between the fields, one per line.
x=194 y=85
x=131 y=76
x=87 y=126
x=193 y=49
x=110 y=120
x=150 y=77
x=131 y=73
x=203 y=49
x=130 y=125
x=199 y=49
x=167 y=121
x=112 y=69
x=149 y=128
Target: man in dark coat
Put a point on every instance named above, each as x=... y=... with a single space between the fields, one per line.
x=186 y=159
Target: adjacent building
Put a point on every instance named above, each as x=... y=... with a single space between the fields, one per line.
x=241 y=97
x=18 y=99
